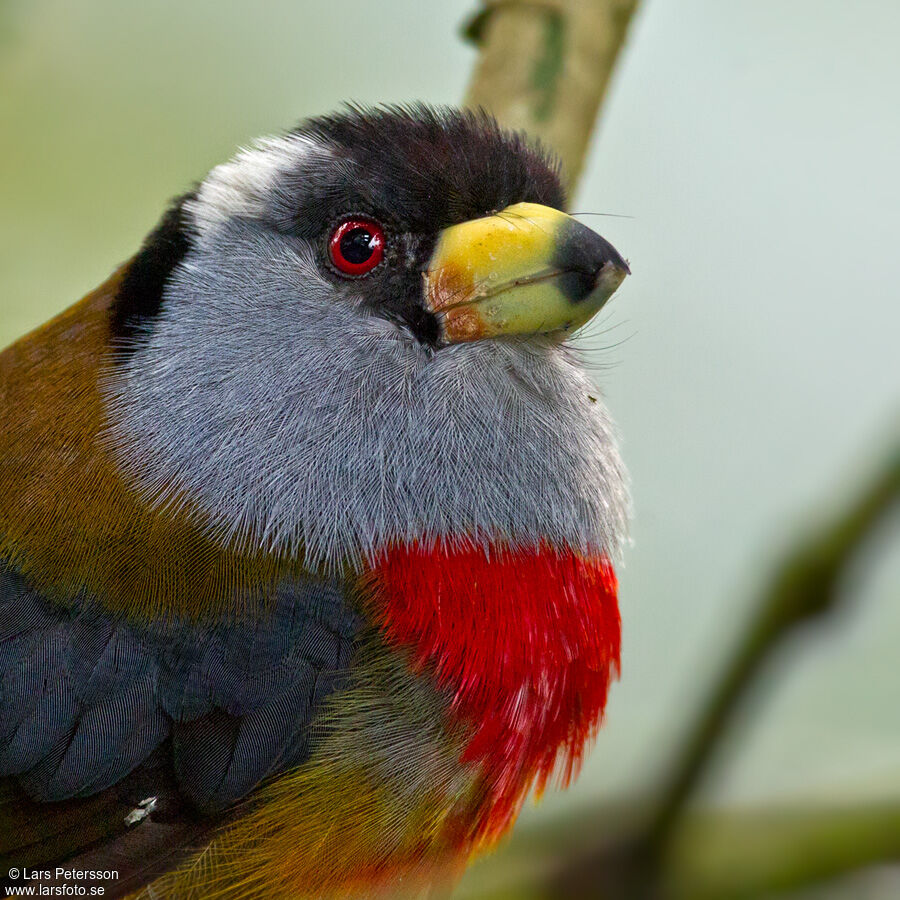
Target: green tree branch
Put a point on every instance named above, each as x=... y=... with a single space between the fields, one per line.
x=544 y=67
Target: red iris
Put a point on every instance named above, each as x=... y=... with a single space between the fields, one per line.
x=356 y=246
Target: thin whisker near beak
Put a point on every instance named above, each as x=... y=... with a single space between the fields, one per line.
x=575 y=215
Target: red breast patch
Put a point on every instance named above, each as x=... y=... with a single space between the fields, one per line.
x=525 y=640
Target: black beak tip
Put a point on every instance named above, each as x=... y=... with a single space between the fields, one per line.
x=609 y=255
x=584 y=256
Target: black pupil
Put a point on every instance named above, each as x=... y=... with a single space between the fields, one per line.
x=356 y=245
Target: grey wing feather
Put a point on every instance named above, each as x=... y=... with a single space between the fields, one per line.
x=90 y=703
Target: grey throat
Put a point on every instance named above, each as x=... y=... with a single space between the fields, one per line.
x=298 y=422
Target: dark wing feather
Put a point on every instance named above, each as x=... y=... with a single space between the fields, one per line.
x=92 y=833
x=98 y=714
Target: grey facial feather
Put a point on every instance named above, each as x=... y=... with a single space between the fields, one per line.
x=298 y=421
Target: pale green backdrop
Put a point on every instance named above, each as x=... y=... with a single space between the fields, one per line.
x=751 y=362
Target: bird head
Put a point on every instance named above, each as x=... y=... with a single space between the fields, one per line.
x=354 y=333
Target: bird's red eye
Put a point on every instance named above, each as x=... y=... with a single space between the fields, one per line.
x=356 y=246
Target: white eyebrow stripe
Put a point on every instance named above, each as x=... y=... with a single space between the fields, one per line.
x=241 y=187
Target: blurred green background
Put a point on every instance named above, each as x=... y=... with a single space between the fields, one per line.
x=752 y=362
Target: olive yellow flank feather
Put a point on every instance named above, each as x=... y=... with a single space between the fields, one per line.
x=70 y=520
x=383 y=798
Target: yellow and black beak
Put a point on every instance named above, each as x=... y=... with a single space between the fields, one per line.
x=528 y=269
